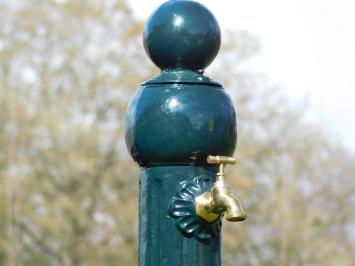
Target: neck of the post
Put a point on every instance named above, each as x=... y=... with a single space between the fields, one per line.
x=160 y=241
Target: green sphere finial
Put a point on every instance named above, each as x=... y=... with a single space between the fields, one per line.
x=182 y=35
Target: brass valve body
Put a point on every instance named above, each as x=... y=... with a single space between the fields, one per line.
x=210 y=205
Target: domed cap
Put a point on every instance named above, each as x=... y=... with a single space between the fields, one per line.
x=182 y=34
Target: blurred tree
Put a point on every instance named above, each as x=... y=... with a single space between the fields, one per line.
x=298 y=182
x=68 y=69
x=69 y=189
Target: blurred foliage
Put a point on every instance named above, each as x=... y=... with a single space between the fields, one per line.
x=68 y=193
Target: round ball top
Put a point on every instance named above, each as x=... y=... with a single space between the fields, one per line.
x=182 y=34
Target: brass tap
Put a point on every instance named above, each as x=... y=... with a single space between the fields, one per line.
x=220 y=200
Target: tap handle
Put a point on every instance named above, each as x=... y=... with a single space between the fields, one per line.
x=220 y=160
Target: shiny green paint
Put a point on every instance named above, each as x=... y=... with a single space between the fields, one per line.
x=182 y=34
x=173 y=122
x=180 y=124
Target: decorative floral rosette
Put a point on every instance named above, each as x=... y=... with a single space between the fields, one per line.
x=182 y=209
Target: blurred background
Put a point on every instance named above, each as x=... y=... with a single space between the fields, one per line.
x=68 y=188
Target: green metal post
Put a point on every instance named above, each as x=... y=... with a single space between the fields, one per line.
x=173 y=123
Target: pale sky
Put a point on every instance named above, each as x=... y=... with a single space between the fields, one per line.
x=308 y=49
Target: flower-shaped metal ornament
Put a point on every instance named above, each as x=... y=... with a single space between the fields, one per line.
x=182 y=209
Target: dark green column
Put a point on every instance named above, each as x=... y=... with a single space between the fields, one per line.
x=160 y=242
x=174 y=121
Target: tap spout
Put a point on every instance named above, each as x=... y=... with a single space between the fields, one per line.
x=211 y=205
x=224 y=201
